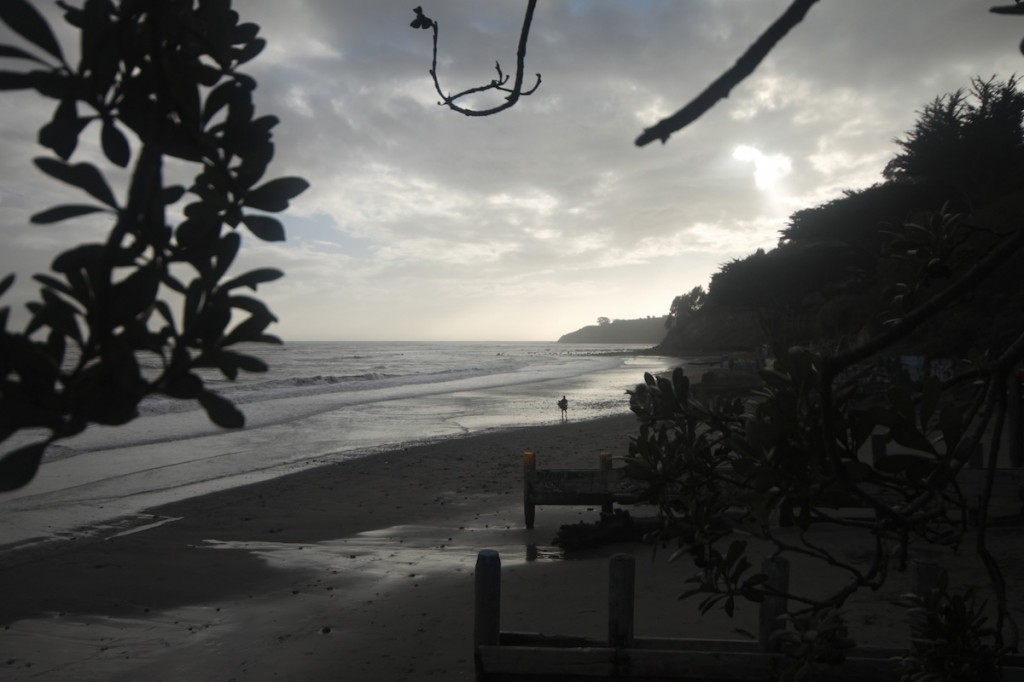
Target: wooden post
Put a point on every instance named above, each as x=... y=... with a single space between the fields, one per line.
x=487 y=599
x=621 y=583
x=529 y=466
x=777 y=570
x=605 y=464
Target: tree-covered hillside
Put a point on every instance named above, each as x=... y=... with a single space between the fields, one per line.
x=645 y=330
x=841 y=269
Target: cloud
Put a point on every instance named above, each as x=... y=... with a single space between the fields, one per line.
x=422 y=223
x=769 y=169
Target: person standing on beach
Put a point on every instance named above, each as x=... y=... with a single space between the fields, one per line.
x=563 y=405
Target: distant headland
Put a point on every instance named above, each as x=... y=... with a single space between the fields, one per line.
x=644 y=330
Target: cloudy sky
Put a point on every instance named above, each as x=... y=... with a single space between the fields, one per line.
x=425 y=224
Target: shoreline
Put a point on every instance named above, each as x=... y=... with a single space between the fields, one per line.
x=363 y=569
x=295 y=576
x=120 y=471
x=128 y=523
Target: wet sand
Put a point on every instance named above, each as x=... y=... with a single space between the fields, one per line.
x=360 y=570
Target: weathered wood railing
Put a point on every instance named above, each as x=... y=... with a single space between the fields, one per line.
x=606 y=486
x=602 y=486
x=529 y=657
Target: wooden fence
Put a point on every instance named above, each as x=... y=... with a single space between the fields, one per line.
x=529 y=657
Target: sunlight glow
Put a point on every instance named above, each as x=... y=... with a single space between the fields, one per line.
x=768 y=169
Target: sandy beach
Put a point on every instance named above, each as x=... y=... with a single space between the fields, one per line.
x=360 y=570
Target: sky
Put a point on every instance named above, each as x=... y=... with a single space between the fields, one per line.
x=423 y=224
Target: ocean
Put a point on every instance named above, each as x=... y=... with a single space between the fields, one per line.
x=318 y=403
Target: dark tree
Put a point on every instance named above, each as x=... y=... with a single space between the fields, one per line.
x=153 y=81
x=943 y=282
x=969 y=144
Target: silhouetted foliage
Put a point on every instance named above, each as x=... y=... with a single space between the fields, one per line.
x=941 y=280
x=969 y=144
x=842 y=268
x=683 y=307
x=154 y=81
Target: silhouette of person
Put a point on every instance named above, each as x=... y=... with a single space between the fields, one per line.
x=563 y=404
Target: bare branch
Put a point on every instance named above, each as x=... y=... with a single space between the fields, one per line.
x=720 y=89
x=515 y=92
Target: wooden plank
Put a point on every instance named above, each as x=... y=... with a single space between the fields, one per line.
x=621 y=581
x=772 y=607
x=510 y=663
x=529 y=467
x=535 y=639
x=487 y=598
x=504 y=663
x=540 y=639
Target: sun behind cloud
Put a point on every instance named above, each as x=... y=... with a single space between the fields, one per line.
x=769 y=169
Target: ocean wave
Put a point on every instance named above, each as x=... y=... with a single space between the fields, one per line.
x=351 y=378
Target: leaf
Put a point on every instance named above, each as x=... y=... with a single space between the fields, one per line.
x=82 y=175
x=250 y=50
x=266 y=228
x=220 y=97
x=184 y=386
x=220 y=410
x=61 y=133
x=250 y=330
x=243 y=33
x=63 y=212
x=79 y=258
x=274 y=195
x=197 y=231
x=6 y=283
x=115 y=144
x=61 y=315
x=16 y=80
x=253 y=306
x=134 y=294
x=171 y=194
x=736 y=549
x=56 y=284
x=18 y=53
x=19 y=467
x=27 y=22
x=252 y=278
x=227 y=249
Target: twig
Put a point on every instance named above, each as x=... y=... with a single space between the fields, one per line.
x=721 y=87
x=515 y=92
